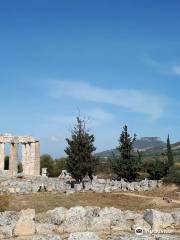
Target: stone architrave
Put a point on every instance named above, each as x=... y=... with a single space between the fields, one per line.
x=2 y=156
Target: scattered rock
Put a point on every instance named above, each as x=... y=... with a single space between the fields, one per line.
x=167 y=199
x=25 y=224
x=84 y=222
x=84 y=236
x=176 y=217
x=158 y=220
x=44 y=228
x=57 y=215
x=133 y=237
x=75 y=220
x=46 y=237
x=167 y=237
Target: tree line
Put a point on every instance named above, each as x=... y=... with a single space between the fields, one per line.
x=81 y=160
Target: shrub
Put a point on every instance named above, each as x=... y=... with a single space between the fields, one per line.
x=156 y=168
x=47 y=162
x=173 y=175
x=143 y=175
x=54 y=167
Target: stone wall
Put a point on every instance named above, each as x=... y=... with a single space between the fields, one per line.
x=36 y=184
x=89 y=223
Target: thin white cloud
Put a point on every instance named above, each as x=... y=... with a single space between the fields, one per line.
x=99 y=114
x=150 y=61
x=133 y=100
x=94 y=117
x=162 y=67
x=55 y=138
x=176 y=70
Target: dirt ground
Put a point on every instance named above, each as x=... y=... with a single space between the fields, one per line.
x=124 y=200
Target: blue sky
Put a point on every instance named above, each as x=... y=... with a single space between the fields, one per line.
x=116 y=61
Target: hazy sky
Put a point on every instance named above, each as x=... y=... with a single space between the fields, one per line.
x=116 y=61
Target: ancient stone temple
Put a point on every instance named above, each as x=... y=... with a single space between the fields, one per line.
x=30 y=154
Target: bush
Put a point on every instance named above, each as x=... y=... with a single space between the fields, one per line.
x=126 y=168
x=47 y=162
x=54 y=167
x=156 y=168
x=103 y=169
x=58 y=166
x=173 y=175
x=143 y=175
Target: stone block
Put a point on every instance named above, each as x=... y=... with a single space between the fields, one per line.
x=84 y=236
x=25 y=225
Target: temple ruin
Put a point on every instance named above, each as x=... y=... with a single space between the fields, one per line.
x=30 y=154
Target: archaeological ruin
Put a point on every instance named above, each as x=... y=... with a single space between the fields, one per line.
x=30 y=154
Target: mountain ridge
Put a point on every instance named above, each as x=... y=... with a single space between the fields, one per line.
x=144 y=144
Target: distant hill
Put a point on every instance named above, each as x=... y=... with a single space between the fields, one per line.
x=175 y=146
x=143 y=144
x=160 y=149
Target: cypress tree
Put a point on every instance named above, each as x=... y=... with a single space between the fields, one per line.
x=169 y=153
x=80 y=161
x=125 y=165
x=126 y=144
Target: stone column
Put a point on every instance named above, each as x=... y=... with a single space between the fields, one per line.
x=2 y=156
x=32 y=159
x=13 y=160
x=27 y=165
x=35 y=159
x=24 y=158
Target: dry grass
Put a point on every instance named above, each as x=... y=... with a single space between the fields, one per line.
x=45 y=201
x=168 y=190
x=126 y=201
x=4 y=202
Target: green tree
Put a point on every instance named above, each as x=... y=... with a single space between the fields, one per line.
x=47 y=162
x=80 y=161
x=173 y=175
x=156 y=168
x=169 y=154
x=58 y=166
x=54 y=166
x=125 y=165
x=126 y=144
x=140 y=156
